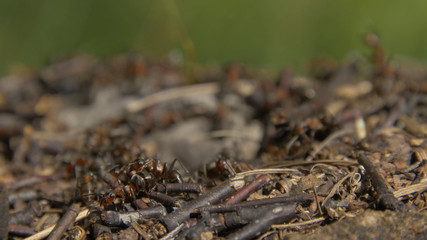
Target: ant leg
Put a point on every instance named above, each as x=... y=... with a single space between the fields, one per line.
x=133 y=194
x=186 y=171
x=123 y=196
x=230 y=168
x=173 y=163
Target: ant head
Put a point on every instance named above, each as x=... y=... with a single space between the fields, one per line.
x=109 y=198
x=138 y=163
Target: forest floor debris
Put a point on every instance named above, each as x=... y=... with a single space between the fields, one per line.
x=126 y=149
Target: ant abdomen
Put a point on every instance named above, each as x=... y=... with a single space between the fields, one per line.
x=86 y=188
x=142 y=180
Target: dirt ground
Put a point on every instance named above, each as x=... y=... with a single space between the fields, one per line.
x=130 y=148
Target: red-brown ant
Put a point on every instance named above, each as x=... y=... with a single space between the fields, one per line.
x=86 y=187
x=86 y=180
x=139 y=176
x=224 y=167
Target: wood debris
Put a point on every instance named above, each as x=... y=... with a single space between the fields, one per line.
x=144 y=155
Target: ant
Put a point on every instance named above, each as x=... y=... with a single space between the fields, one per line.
x=224 y=167
x=86 y=187
x=138 y=176
x=144 y=173
x=86 y=180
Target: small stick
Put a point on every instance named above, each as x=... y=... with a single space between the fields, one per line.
x=218 y=222
x=140 y=204
x=109 y=179
x=299 y=224
x=42 y=221
x=304 y=162
x=211 y=223
x=215 y=195
x=171 y=94
x=40 y=235
x=384 y=196
x=172 y=234
x=265 y=171
x=140 y=231
x=179 y=188
x=20 y=230
x=26 y=182
x=164 y=199
x=26 y=195
x=317 y=201
x=258 y=202
x=276 y=215
x=243 y=193
x=65 y=222
x=114 y=218
x=419 y=187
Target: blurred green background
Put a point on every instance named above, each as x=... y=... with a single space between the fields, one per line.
x=269 y=33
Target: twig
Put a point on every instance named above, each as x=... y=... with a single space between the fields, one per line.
x=300 y=224
x=164 y=199
x=171 y=94
x=25 y=195
x=301 y=198
x=21 y=230
x=218 y=222
x=140 y=231
x=215 y=195
x=263 y=223
x=26 y=182
x=114 y=218
x=268 y=235
x=172 y=234
x=40 y=235
x=65 y=222
x=419 y=187
x=265 y=171
x=304 y=162
x=179 y=188
x=209 y=223
x=317 y=200
x=243 y=193
x=384 y=196
x=42 y=221
x=109 y=179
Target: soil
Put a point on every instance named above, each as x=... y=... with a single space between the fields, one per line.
x=130 y=148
